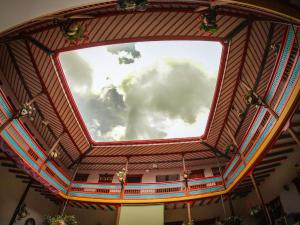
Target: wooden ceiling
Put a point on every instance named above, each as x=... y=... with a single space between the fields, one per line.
x=28 y=62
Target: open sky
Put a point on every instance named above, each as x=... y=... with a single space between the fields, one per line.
x=144 y=90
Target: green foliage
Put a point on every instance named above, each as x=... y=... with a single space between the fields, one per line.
x=60 y=220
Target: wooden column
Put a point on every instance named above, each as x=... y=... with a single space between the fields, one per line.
x=21 y=201
x=259 y=195
x=186 y=184
x=65 y=203
x=232 y=213
x=123 y=183
x=49 y=152
x=222 y=199
x=189 y=212
x=236 y=145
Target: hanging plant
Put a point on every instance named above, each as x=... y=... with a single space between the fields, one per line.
x=122 y=175
x=186 y=174
x=60 y=220
x=251 y=99
x=131 y=5
x=256 y=211
x=229 y=148
x=73 y=31
x=209 y=21
x=230 y=221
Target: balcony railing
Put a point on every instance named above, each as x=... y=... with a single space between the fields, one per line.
x=19 y=143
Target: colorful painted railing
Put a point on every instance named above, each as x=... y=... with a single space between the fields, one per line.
x=257 y=133
x=20 y=144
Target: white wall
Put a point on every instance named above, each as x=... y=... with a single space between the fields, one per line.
x=16 y=12
x=142 y=215
x=93 y=217
x=11 y=190
x=290 y=199
x=148 y=176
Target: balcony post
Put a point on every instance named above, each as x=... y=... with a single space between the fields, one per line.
x=231 y=205
x=185 y=176
x=26 y=110
x=189 y=212
x=259 y=195
x=123 y=183
x=52 y=149
x=65 y=202
x=223 y=181
x=236 y=145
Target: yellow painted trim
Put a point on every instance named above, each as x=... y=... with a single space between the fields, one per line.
x=283 y=116
x=143 y=201
x=281 y=120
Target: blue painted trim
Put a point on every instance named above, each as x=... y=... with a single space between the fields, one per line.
x=96 y=186
x=57 y=172
x=79 y=194
x=28 y=139
x=153 y=186
x=5 y=107
x=208 y=180
x=202 y=191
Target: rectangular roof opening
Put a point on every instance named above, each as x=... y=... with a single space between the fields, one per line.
x=143 y=90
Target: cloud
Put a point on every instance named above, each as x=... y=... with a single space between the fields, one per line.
x=145 y=103
x=103 y=113
x=154 y=96
x=78 y=70
x=127 y=53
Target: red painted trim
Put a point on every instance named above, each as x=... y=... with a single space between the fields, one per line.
x=78 y=114
x=267 y=90
x=279 y=132
x=222 y=66
x=237 y=82
x=45 y=91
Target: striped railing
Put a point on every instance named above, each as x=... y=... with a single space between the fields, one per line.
x=18 y=142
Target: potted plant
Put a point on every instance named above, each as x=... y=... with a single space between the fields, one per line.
x=232 y=220
x=60 y=220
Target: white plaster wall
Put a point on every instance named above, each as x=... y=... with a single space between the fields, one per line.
x=147 y=176
x=11 y=190
x=16 y=12
x=272 y=187
x=93 y=217
x=290 y=199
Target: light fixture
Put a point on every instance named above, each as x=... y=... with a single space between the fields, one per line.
x=154 y=166
x=275 y=47
x=26 y=110
x=54 y=154
x=252 y=99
